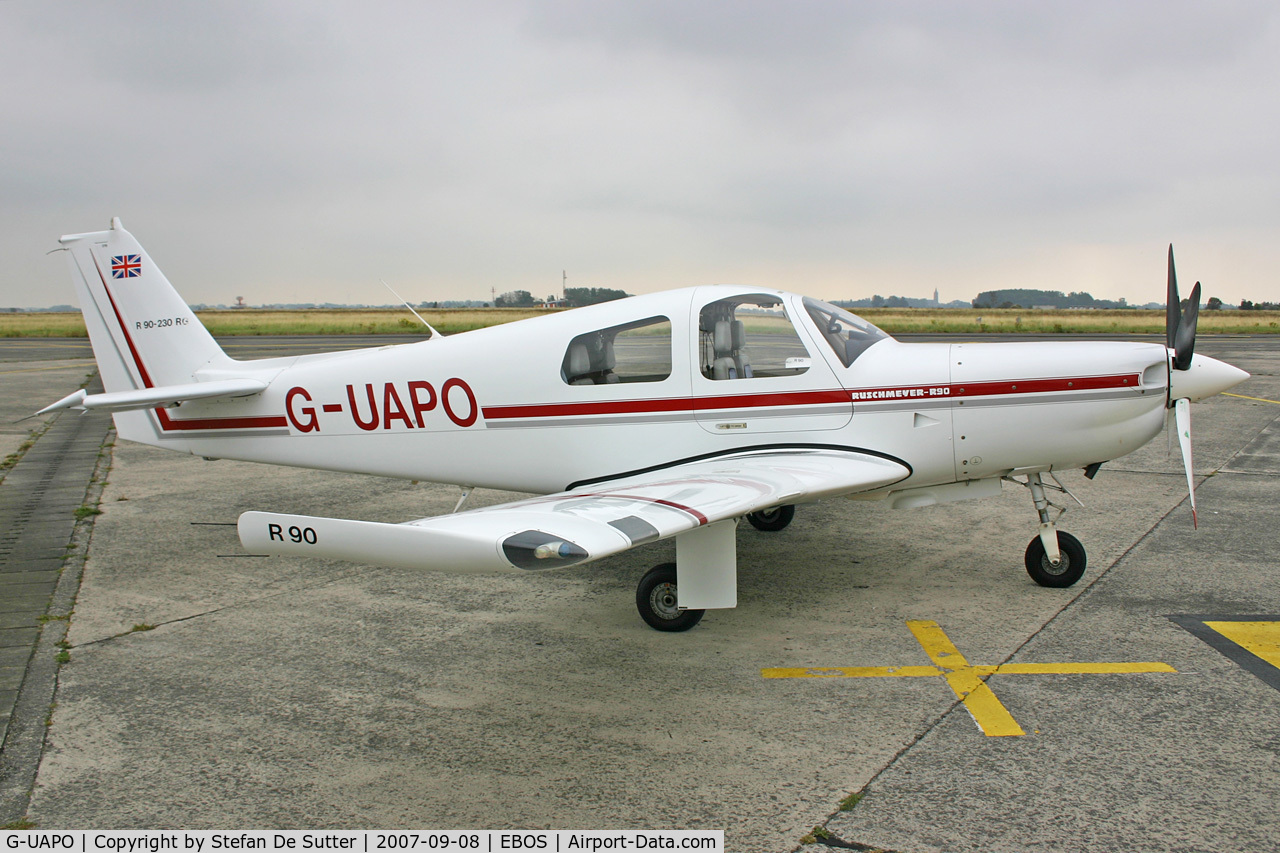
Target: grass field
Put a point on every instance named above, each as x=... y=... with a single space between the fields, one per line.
x=253 y=321
x=450 y=321
x=1129 y=321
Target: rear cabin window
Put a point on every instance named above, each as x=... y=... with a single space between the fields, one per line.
x=631 y=352
x=749 y=337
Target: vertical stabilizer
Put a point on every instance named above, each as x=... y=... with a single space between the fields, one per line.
x=143 y=333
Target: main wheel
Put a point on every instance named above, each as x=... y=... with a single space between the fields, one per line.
x=1069 y=568
x=770 y=520
x=658 y=603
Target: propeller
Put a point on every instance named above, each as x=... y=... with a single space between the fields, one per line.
x=1180 y=328
x=1191 y=377
x=1182 y=420
x=1180 y=337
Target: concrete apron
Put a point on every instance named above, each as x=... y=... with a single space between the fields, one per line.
x=295 y=693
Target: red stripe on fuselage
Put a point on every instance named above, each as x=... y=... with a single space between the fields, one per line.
x=1013 y=387
x=167 y=423
x=667 y=404
x=1000 y=388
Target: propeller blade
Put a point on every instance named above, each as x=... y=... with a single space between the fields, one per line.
x=1182 y=415
x=1172 y=305
x=1184 y=345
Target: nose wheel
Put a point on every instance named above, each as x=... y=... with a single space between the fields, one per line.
x=659 y=604
x=1071 y=562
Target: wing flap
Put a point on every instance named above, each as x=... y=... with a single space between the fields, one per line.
x=165 y=396
x=582 y=525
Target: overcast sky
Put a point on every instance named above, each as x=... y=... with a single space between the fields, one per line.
x=301 y=150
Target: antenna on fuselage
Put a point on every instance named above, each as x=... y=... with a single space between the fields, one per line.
x=434 y=333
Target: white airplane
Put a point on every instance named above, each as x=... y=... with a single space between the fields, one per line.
x=673 y=414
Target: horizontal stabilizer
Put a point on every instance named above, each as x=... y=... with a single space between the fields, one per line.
x=163 y=397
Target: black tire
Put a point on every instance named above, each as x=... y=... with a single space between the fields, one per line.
x=1069 y=569
x=657 y=601
x=771 y=520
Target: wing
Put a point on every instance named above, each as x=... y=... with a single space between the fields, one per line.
x=584 y=524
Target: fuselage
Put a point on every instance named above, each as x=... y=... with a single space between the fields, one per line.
x=592 y=394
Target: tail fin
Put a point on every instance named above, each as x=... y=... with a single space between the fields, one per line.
x=143 y=334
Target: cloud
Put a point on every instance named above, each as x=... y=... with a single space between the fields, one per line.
x=290 y=150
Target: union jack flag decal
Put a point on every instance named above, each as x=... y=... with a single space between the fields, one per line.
x=126 y=266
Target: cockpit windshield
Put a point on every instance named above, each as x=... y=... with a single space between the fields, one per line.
x=847 y=334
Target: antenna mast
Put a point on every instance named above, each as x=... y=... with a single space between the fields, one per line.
x=434 y=333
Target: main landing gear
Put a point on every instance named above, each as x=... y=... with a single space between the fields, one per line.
x=772 y=520
x=657 y=602
x=709 y=553
x=1054 y=558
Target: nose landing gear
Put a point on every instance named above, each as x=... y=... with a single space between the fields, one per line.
x=1054 y=558
x=1069 y=568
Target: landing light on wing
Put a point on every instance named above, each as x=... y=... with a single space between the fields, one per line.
x=534 y=549
x=553 y=549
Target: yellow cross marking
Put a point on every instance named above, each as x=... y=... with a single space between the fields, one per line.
x=967 y=681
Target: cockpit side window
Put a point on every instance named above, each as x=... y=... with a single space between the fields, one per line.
x=631 y=352
x=847 y=334
x=749 y=337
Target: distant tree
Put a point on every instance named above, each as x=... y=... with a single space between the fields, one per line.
x=514 y=299
x=579 y=296
x=1214 y=304
x=1026 y=298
